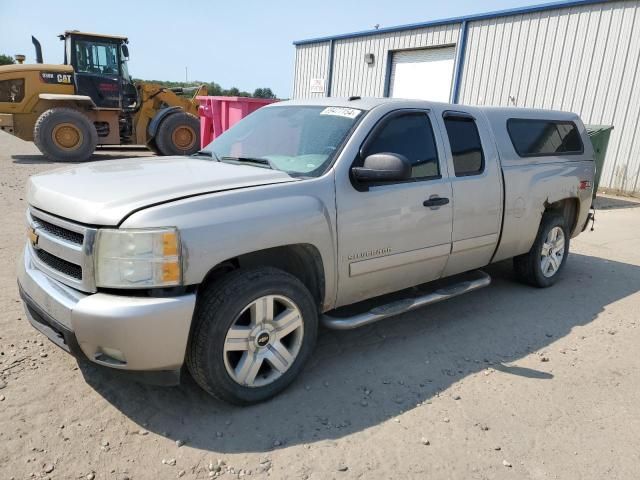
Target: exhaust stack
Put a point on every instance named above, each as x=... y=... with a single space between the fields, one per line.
x=36 y=44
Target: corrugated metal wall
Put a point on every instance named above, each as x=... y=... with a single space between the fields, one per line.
x=352 y=76
x=584 y=59
x=312 y=61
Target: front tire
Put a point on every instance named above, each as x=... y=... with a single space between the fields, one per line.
x=542 y=265
x=253 y=332
x=178 y=134
x=65 y=135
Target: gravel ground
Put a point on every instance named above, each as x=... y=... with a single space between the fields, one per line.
x=509 y=382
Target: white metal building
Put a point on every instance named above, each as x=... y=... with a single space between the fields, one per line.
x=581 y=56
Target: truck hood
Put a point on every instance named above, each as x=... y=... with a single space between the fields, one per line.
x=104 y=193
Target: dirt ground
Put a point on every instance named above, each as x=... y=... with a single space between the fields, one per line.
x=509 y=382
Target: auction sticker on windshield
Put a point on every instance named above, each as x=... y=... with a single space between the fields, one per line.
x=341 y=112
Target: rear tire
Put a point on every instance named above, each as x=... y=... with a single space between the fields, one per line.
x=65 y=135
x=178 y=134
x=241 y=353
x=542 y=265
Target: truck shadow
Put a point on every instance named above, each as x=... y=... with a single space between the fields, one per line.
x=99 y=155
x=361 y=378
x=615 y=203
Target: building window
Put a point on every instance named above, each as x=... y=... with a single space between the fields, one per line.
x=538 y=138
x=409 y=134
x=466 y=148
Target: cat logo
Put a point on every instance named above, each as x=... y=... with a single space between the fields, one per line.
x=64 y=78
x=56 y=78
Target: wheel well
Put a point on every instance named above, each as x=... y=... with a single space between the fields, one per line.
x=303 y=261
x=568 y=208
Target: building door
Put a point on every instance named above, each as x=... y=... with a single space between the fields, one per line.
x=425 y=74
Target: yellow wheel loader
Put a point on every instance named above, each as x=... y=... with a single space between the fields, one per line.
x=67 y=110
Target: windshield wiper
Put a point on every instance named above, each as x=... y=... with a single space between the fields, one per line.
x=260 y=161
x=206 y=153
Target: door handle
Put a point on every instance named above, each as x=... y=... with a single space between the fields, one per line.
x=435 y=202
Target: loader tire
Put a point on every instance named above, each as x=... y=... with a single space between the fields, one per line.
x=153 y=147
x=65 y=135
x=178 y=134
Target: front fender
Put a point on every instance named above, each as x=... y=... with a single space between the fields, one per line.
x=221 y=226
x=152 y=129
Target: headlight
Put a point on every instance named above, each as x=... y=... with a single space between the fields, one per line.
x=138 y=258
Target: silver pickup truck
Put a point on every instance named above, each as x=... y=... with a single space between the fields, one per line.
x=305 y=212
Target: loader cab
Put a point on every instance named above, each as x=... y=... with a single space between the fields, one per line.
x=100 y=65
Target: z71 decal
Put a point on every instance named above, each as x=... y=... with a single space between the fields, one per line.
x=57 y=78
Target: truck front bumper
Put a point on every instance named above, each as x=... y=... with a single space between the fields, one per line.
x=145 y=336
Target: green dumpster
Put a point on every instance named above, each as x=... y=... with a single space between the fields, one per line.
x=599 y=135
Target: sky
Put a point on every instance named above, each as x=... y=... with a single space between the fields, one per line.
x=243 y=44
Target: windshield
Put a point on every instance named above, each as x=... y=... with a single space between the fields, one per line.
x=99 y=57
x=299 y=140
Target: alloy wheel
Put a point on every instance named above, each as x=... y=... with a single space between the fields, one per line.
x=553 y=250
x=263 y=341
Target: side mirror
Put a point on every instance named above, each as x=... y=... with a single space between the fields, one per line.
x=383 y=167
x=125 y=52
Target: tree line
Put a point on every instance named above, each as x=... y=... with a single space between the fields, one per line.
x=6 y=60
x=213 y=88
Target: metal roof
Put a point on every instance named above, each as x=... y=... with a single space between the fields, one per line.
x=465 y=18
x=89 y=34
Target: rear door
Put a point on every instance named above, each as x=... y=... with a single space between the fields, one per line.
x=388 y=239
x=476 y=182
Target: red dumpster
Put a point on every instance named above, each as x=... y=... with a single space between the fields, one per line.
x=218 y=114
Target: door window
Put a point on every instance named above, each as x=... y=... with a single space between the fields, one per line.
x=409 y=134
x=466 y=148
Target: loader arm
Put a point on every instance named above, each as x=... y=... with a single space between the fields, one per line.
x=153 y=99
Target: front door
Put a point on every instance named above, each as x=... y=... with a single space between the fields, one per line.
x=97 y=66
x=394 y=235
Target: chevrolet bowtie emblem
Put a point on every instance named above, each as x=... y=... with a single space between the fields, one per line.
x=33 y=236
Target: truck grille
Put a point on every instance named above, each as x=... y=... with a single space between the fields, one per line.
x=66 y=268
x=62 y=249
x=59 y=232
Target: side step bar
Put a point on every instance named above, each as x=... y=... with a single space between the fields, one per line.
x=401 y=306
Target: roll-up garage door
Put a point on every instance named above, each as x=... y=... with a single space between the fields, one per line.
x=425 y=74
